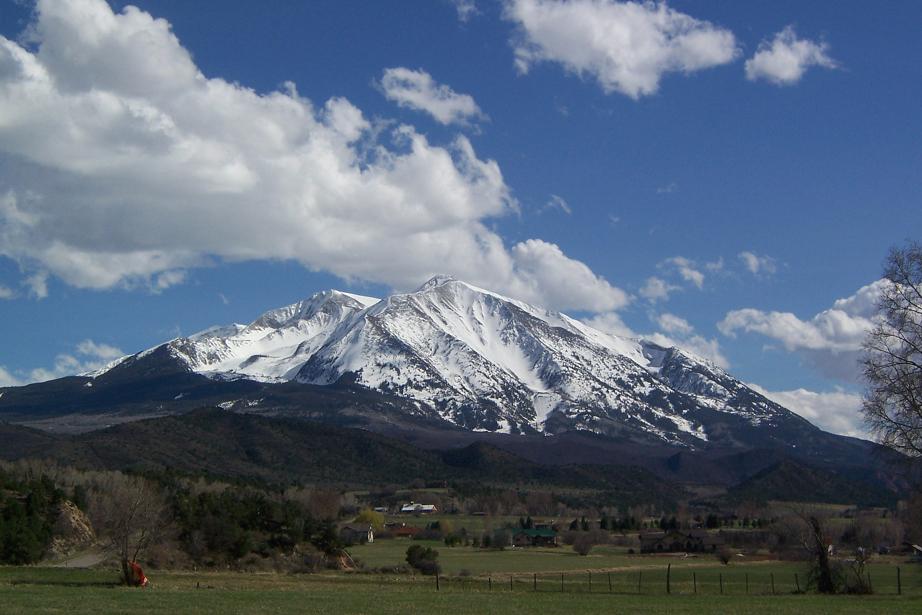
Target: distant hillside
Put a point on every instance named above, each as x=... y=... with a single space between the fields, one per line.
x=792 y=481
x=234 y=446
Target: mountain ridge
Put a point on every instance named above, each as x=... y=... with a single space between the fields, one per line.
x=448 y=352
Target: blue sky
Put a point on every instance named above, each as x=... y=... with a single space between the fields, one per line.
x=692 y=190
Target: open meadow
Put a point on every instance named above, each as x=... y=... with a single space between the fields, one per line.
x=512 y=581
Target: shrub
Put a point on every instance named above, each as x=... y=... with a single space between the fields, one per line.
x=583 y=543
x=424 y=559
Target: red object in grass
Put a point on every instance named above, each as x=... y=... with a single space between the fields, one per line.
x=137 y=575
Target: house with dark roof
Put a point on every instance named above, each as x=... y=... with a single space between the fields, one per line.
x=537 y=537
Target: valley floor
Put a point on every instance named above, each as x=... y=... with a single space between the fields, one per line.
x=57 y=590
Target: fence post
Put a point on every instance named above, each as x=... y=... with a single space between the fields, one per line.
x=747 y=582
x=773 y=584
x=870 y=587
x=609 y=582
x=721 y=584
x=561 y=582
x=695 y=581
x=535 y=582
x=490 y=583
x=510 y=583
x=797 y=582
x=590 y=581
x=899 y=582
x=437 y=581
x=668 y=578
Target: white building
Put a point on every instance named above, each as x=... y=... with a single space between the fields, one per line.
x=418 y=509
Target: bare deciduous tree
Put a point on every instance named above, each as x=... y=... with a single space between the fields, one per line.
x=130 y=514
x=893 y=355
x=806 y=527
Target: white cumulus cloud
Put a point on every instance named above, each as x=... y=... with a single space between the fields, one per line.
x=610 y=322
x=122 y=164
x=564 y=282
x=670 y=323
x=834 y=411
x=7 y=379
x=416 y=89
x=88 y=356
x=785 y=59
x=626 y=46
x=831 y=339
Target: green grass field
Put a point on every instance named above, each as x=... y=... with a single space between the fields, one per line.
x=638 y=586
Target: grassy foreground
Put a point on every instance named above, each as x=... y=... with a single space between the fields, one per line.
x=54 y=590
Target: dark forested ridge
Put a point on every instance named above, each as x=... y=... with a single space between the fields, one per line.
x=234 y=446
x=231 y=446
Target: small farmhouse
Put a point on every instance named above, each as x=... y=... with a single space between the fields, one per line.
x=356 y=534
x=672 y=541
x=538 y=537
x=418 y=509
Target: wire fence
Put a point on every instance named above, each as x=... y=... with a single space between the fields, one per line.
x=668 y=580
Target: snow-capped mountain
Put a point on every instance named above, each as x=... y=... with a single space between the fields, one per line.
x=489 y=363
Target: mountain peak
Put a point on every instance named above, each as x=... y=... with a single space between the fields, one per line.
x=439 y=279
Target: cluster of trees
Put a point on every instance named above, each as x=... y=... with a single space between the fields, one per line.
x=498 y=539
x=28 y=510
x=228 y=525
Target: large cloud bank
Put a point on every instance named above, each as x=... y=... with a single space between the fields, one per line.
x=121 y=163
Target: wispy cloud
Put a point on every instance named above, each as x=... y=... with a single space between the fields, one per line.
x=758 y=264
x=657 y=289
x=466 y=9
x=558 y=203
x=416 y=89
x=687 y=269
